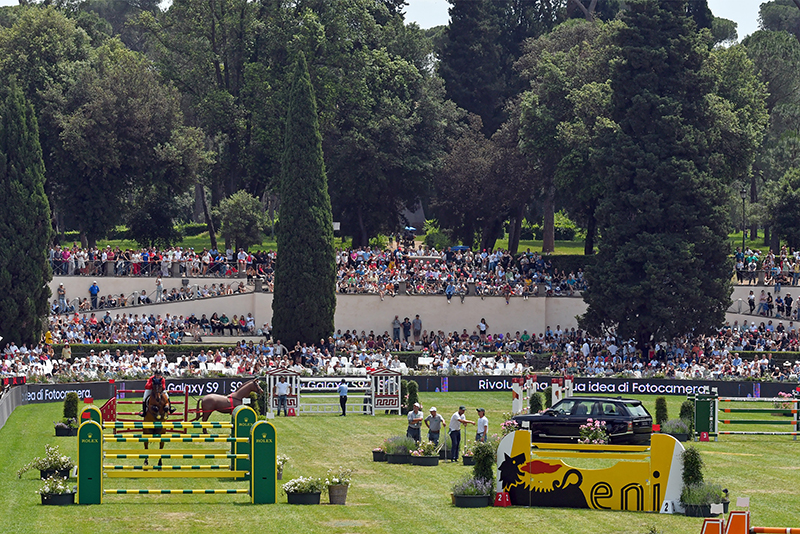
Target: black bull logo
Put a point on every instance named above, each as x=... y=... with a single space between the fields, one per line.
x=560 y=492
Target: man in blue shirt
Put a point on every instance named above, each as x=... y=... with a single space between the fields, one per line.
x=94 y=289
x=342 y=390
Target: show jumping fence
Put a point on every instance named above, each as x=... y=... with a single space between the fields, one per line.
x=252 y=456
x=110 y=412
x=709 y=415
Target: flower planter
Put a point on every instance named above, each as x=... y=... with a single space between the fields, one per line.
x=443 y=454
x=469 y=460
x=472 y=501
x=66 y=431
x=698 y=510
x=47 y=473
x=60 y=499
x=425 y=460
x=398 y=458
x=337 y=494
x=303 y=498
x=378 y=456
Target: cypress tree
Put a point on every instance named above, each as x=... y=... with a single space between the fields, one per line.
x=305 y=275
x=24 y=222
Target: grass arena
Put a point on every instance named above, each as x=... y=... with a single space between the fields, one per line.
x=383 y=498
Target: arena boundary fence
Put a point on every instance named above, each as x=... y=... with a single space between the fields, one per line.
x=252 y=456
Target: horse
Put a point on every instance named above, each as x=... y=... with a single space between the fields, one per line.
x=158 y=408
x=217 y=403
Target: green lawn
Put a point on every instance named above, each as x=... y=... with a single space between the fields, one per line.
x=383 y=498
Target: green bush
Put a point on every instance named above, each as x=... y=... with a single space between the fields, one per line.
x=194 y=229
x=253 y=396
x=437 y=240
x=687 y=415
x=71 y=406
x=484 y=455
x=692 y=466
x=536 y=402
x=403 y=394
x=413 y=395
x=548 y=396
x=661 y=410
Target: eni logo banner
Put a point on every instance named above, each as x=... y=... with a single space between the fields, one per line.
x=539 y=478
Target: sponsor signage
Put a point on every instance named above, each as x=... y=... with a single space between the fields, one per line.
x=598 y=386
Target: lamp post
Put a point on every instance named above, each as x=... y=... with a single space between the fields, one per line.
x=743 y=194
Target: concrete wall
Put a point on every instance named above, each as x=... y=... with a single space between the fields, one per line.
x=368 y=312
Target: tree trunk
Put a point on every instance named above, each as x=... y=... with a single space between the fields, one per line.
x=489 y=234
x=515 y=230
x=548 y=225
x=363 y=238
x=212 y=234
x=591 y=230
x=767 y=232
x=775 y=242
x=753 y=200
x=197 y=210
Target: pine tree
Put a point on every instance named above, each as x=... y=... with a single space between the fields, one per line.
x=663 y=267
x=305 y=274
x=24 y=222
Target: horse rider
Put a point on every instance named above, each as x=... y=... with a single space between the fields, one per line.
x=158 y=380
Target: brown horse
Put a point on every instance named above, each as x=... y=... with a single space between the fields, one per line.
x=217 y=403
x=158 y=408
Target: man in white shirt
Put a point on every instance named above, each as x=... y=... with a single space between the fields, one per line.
x=483 y=426
x=456 y=421
x=282 y=390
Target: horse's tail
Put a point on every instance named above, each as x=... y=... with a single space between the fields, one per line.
x=197 y=412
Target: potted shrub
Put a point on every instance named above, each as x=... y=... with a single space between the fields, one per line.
x=281 y=461
x=698 y=495
x=304 y=490
x=337 y=482
x=469 y=455
x=485 y=454
x=676 y=428
x=661 y=410
x=536 y=402
x=698 y=498
x=378 y=454
x=53 y=463
x=56 y=491
x=398 y=449
x=425 y=454
x=687 y=415
x=472 y=492
x=68 y=426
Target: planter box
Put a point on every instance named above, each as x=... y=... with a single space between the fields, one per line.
x=398 y=458
x=378 y=456
x=62 y=499
x=425 y=460
x=443 y=454
x=47 y=473
x=337 y=494
x=472 y=501
x=469 y=460
x=699 y=510
x=303 y=498
x=62 y=432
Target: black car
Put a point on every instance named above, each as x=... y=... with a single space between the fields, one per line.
x=627 y=421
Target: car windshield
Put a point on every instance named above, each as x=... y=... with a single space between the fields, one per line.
x=637 y=410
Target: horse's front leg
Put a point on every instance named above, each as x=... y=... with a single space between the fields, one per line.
x=160 y=447
x=146 y=444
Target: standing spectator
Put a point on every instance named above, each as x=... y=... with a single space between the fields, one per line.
x=342 y=390
x=93 y=291
x=406 y=329
x=456 y=421
x=483 y=426
x=751 y=302
x=159 y=289
x=282 y=389
x=434 y=423
x=62 y=299
x=416 y=325
x=414 y=423
x=396 y=324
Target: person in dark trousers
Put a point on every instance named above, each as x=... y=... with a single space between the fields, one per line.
x=455 y=430
x=343 y=397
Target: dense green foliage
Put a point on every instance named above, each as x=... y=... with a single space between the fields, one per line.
x=663 y=216
x=305 y=274
x=24 y=221
x=71 y=405
x=661 y=411
x=243 y=219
